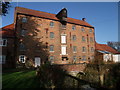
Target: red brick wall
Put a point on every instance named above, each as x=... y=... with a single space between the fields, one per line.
x=73 y=67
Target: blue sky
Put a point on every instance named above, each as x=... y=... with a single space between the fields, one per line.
x=102 y=15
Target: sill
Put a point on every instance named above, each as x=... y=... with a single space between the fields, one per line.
x=74 y=52
x=51 y=51
x=63 y=54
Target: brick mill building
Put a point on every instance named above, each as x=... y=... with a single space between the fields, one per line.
x=41 y=36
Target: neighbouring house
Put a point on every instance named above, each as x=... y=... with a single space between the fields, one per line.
x=42 y=36
x=106 y=53
x=7 y=55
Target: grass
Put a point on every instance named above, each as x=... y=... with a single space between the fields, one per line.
x=21 y=79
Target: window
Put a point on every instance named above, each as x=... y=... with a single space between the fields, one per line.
x=82 y=29
x=51 y=35
x=73 y=27
x=92 y=49
x=63 y=26
x=84 y=58
x=3 y=42
x=83 y=38
x=90 y=30
x=83 y=49
x=74 y=59
x=74 y=49
x=22 y=58
x=2 y=59
x=51 y=58
x=51 y=48
x=63 y=38
x=23 y=32
x=73 y=37
x=92 y=57
x=24 y=19
x=91 y=39
x=63 y=50
x=22 y=47
x=51 y=24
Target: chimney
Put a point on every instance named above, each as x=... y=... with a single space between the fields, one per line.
x=84 y=19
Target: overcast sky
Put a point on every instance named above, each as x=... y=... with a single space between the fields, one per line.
x=102 y=15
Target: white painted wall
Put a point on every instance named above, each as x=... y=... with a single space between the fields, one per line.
x=116 y=58
x=107 y=57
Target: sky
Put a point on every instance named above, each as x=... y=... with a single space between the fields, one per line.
x=103 y=16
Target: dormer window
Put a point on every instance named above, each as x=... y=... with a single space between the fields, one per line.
x=24 y=19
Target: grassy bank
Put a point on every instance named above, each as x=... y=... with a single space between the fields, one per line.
x=21 y=79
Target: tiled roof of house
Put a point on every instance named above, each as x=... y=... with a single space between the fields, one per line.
x=104 y=47
x=49 y=16
x=7 y=31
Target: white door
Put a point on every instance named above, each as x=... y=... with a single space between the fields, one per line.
x=37 y=61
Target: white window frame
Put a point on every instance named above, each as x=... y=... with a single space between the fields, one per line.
x=63 y=39
x=2 y=59
x=63 y=50
x=24 y=57
x=2 y=42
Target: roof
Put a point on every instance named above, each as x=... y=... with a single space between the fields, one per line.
x=7 y=31
x=105 y=48
x=49 y=16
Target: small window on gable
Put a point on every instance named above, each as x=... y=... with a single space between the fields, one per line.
x=24 y=19
x=73 y=27
x=82 y=29
x=22 y=58
x=51 y=24
x=90 y=30
x=3 y=42
x=2 y=59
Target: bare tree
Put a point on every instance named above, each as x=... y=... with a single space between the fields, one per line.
x=114 y=45
x=4 y=8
